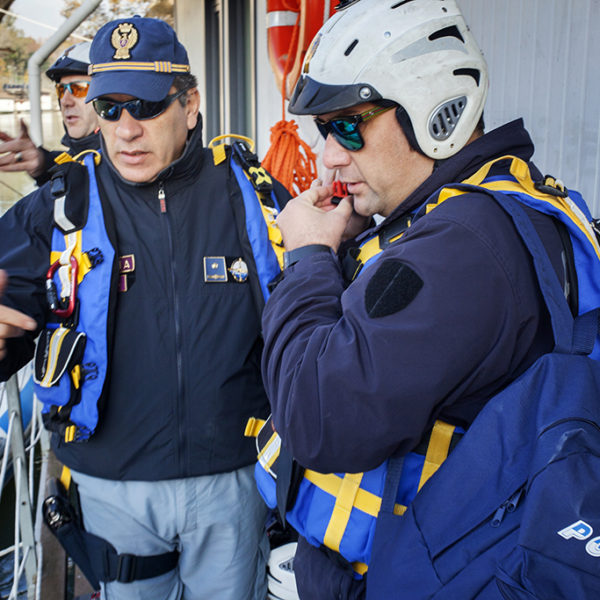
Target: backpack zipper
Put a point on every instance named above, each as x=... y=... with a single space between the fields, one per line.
x=507 y=506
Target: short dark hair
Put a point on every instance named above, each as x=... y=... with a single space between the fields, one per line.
x=186 y=81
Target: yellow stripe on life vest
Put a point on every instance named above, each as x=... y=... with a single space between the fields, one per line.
x=365 y=501
x=340 y=515
x=520 y=171
x=437 y=450
x=369 y=249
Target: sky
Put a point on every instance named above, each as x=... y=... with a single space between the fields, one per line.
x=44 y=11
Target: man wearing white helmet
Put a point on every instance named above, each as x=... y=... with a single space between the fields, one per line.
x=372 y=338
x=80 y=121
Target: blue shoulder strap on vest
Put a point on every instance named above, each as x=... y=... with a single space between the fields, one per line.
x=72 y=354
x=267 y=264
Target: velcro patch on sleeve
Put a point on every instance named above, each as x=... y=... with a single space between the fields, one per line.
x=391 y=289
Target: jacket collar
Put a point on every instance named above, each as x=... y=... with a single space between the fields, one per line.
x=77 y=145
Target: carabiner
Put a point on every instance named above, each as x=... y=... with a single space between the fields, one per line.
x=60 y=307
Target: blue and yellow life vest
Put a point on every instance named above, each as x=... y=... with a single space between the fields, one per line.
x=71 y=359
x=339 y=510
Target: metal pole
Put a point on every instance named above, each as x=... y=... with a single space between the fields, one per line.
x=23 y=504
x=40 y=55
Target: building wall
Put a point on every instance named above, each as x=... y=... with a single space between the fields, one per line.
x=543 y=63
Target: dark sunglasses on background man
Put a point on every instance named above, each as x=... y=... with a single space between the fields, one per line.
x=78 y=89
x=140 y=110
x=345 y=128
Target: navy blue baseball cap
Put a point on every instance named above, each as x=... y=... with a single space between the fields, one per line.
x=138 y=56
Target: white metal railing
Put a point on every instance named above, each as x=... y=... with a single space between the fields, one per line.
x=26 y=549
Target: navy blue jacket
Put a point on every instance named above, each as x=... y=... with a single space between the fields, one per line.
x=348 y=390
x=184 y=374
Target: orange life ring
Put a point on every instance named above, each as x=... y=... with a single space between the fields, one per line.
x=291 y=26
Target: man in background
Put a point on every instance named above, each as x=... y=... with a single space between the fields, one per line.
x=69 y=72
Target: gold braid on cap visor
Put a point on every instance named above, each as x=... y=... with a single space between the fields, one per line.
x=158 y=66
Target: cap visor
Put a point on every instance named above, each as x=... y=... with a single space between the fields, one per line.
x=146 y=86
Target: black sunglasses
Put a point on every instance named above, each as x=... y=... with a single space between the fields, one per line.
x=140 y=110
x=345 y=129
x=78 y=89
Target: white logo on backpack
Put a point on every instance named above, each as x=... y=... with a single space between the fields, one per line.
x=580 y=530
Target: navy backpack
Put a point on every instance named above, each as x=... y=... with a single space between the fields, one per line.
x=514 y=512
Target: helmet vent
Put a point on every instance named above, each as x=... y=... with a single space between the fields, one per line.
x=287 y=565
x=474 y=73
x=451 y=31
x=445 y=118
x=350 y=48
x=401 y=3
x=344 y=4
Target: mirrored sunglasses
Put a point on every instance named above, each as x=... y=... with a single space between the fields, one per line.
x=78 y=89
x=140 y=110
x=345 y=129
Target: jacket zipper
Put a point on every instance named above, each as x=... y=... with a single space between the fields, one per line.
x=162 y=199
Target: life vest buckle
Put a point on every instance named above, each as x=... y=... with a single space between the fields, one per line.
x=62 y=308
x=95 y=257
x=596 y=228
x=261 y=180
x=553 y=187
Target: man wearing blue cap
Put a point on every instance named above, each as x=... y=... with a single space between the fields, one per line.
x=148 y=359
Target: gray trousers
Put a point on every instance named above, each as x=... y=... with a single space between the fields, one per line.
x=217 y=522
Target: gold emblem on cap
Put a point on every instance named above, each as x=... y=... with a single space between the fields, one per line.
x=123 y=38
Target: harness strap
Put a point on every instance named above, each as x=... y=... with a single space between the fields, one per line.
x=437 y=451
x=125 y=568
x=97 y=558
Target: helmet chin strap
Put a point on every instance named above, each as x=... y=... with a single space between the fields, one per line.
x=404 y=121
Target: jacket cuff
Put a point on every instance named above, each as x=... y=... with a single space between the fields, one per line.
x=293 y=256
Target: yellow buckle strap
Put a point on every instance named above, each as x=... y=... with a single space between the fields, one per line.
x=97 y=156
x=62 y=158
x=218 y=149
x=65 y=477
x=253 y=426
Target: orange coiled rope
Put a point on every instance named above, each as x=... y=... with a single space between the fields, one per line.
x=289 y=158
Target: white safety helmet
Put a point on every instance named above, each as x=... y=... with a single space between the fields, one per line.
x=281 y=582
x=419 y=54
x=75 y=60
